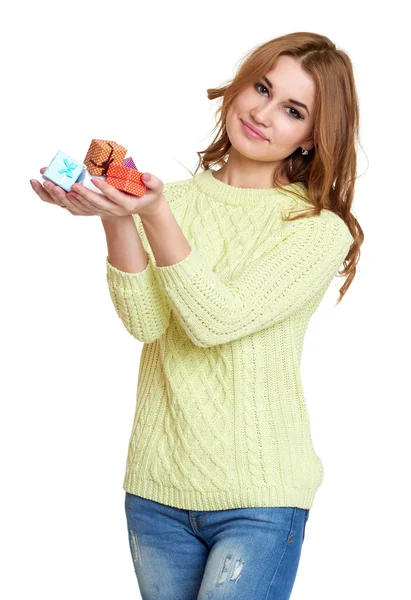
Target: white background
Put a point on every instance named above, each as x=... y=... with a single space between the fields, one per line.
x=138 y=73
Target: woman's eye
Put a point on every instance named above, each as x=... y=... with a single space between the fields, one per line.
x=296 y=111
x=297 y=115
x=258 y=86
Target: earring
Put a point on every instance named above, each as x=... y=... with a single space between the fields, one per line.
x=304 y=151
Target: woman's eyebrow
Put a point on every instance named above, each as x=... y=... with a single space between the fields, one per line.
x=270 y=85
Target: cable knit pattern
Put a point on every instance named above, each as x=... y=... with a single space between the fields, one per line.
x=221 y=420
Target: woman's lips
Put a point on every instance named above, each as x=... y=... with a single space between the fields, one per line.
x=251 y=133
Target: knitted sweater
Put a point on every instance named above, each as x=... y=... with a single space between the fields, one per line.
x=221 y=420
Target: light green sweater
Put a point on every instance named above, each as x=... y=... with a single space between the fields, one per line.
x=221 y=420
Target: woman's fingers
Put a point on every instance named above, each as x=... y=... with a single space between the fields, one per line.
x=75 y=202
x=68 y=201
x=108 y=201
x=83 y=202
x=75 y=205
x=41 y=191
x=50 y=193
x=51 y=189
x=55 y=192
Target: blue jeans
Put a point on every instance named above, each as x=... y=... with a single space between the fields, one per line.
x=241 y=553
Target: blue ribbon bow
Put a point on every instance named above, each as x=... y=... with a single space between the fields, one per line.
x=70 y=168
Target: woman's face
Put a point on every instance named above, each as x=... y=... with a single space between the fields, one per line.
x=285 y=124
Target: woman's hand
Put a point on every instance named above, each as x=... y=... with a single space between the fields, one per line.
x=112 y=205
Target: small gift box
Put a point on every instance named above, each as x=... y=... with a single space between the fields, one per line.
x=126 y=179
x=129 y=162
x=63 y=170
x=103 y=153
x=85 y=179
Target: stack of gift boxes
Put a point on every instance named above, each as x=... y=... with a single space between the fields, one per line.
x=104 y=160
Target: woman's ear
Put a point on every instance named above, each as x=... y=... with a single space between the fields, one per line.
x=308 y=144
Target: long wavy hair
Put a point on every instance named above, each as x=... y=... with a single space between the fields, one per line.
x=329 y=170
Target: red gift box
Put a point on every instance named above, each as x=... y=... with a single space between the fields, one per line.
x=126 y=179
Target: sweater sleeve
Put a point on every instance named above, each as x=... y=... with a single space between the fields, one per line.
x=139 y=301
x=138 y=298
x=268 y=290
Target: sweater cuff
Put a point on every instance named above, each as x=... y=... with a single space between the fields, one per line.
x=189 y=267
x=130 y=281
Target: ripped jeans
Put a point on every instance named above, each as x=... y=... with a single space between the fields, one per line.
x=241 y=553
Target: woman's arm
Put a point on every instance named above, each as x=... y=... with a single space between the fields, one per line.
x=137 y=296
x=125 y=250
x=295 y=267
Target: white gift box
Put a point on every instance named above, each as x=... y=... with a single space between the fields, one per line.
x=85 y=179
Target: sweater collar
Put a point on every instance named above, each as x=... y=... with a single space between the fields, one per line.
x=209 y=185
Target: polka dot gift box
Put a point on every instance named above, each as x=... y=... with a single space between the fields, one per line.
x=103 y=153
x=126 y=179
x=63 y=170
x=85 y=177
x=129 y=162
x=105 y=159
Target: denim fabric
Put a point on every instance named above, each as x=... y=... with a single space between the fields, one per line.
x=241 y=553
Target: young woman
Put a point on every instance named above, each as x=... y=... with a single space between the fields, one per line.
x=218 y=275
